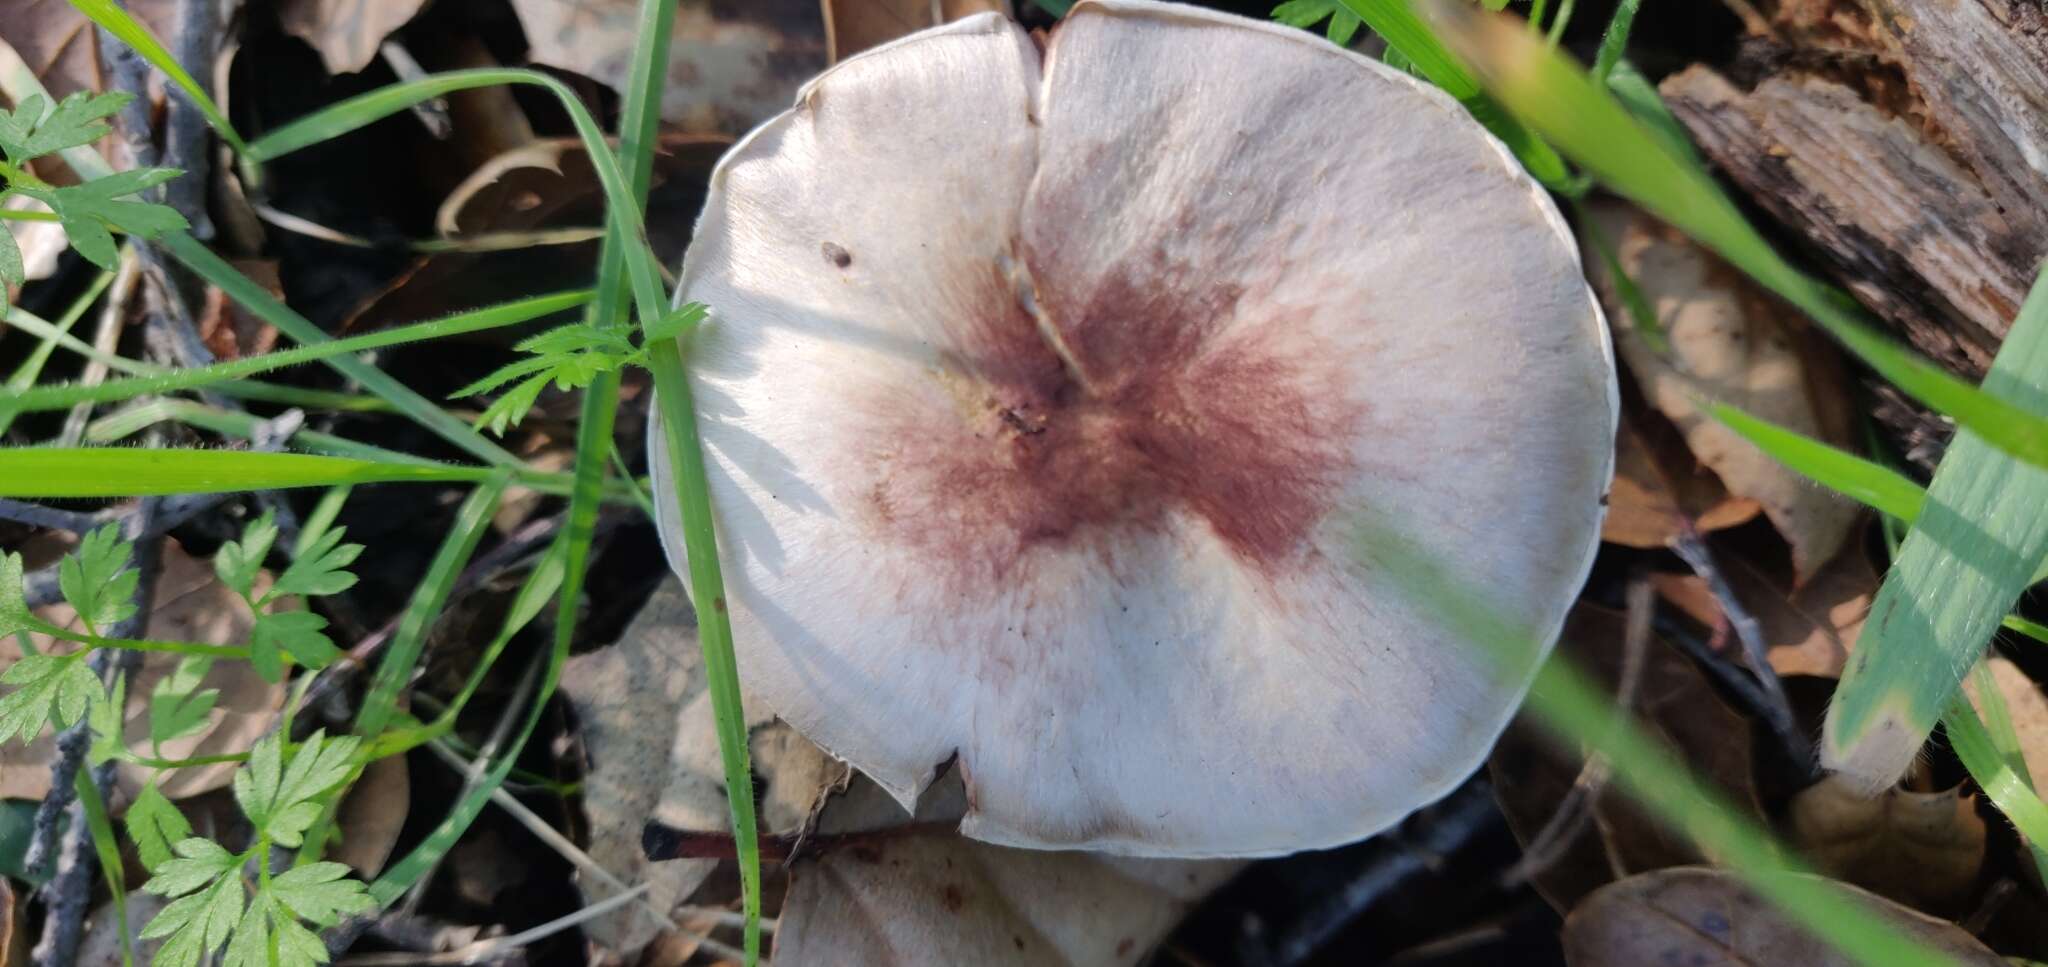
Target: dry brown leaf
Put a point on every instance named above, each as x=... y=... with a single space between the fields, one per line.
x=190 y=604
x=931 y=896
x=40 y=242
x=732 y=65
x=1919 y=848
x=852 y=26
x=372 y=815
x=1709 y=917
x=1532 y=773
x=62 y=47
x=1730 y=342
x=347 y=33
x=1809 y=631
x=231 y=331
x=1654 y=495
x=101 y=945
x=2028 y=709
x=646 y=722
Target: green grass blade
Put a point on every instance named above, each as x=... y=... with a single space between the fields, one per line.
x=506 y=314
x=1979 y=540
x=31 y=368
x=401 y=876
x=1566 y=702
x=117 y=22
x=1870 y=483
x=1614 y=42
x=122 y=472
x=108 y=849
x=2002 y=777
x=1587 y=124
x=1405 y=32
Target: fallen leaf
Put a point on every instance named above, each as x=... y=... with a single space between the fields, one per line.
x=1655 y=495
x=190 y=604
x=372 y=815
x=927 y=895
x=1730 y=342
x=347 y=33
x=731 y=66
x=1533 y=773
x=61 y=47
x=1808 y=630
x=1919 y=848
x=1704 y=917
x=229 y=330
x=2028 y=709
x=647 y=729
x=40 y=242
x=852 y=26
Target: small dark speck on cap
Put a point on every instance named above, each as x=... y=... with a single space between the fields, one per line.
x=836 y=255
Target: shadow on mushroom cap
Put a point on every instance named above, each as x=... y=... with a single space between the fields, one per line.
x=1049 y=404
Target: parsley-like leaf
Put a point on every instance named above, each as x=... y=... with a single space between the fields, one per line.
x=97 y=580
x=281 y=800
x=320 y=569
x=13 y=271
x=14 y=613
x=238 y=562
x=52 y=688
x=197 y=863
x=295 y=632
x=104 y=719
x=683 y=319
x=79 y=119
x=1307 y=13
x=567 y=357
x=154 y=824
x=178 y=706
x=321 y=893
x=87 y=209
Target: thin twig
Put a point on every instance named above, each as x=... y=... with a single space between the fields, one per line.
x=475 y=771
x=1777 y=708
x=432 y=112
x=105 y=339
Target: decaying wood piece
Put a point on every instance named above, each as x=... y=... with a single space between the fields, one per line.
x=1909 y=230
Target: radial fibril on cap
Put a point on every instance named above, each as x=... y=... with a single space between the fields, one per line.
x=1047 y=398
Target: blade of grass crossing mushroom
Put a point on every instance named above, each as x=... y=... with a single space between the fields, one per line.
x=494 y=317
x=1979 y=541
x=686 y=457
x=134 y=34
x=1547 y=91
x=122 y=472
x=1566 y=702
x=1395 y=21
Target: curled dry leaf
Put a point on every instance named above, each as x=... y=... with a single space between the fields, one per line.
x=731 y=65
x=1081 y=460
x=347 y=33
x=1729 y=342
x=1700 y=916
x=1533 y=772
x=1808 y=630
x=647 y=728
x=1920 y=848
x=852 y=26
x=190 y=604
x=931 y=896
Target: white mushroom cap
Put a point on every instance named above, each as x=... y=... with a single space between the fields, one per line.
x=1047 y=401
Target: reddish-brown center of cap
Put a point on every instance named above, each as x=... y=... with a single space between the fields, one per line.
x=1084 y=420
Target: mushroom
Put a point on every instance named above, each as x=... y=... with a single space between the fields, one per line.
x=1051 y=390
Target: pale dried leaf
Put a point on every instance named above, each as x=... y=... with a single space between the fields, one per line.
x=1655 y=495
x=852 y=26
x=926 y=895
x=647 y=727
x=13 y=948
x=347 y=33
x=1920 y=848
x=1808 y=631
x=1708 y=917
x=190 y=604
x=372 y=815
x=1730 y=342
x=62 y=47
x=40 y=242
x=730 y=67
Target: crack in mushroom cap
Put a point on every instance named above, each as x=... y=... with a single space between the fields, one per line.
x=1049 y=402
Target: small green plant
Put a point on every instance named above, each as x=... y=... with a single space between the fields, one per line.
x=283 y=788
x=90 y=211
x=569 y=357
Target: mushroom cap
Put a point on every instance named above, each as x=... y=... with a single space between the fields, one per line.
x=1050 y=402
